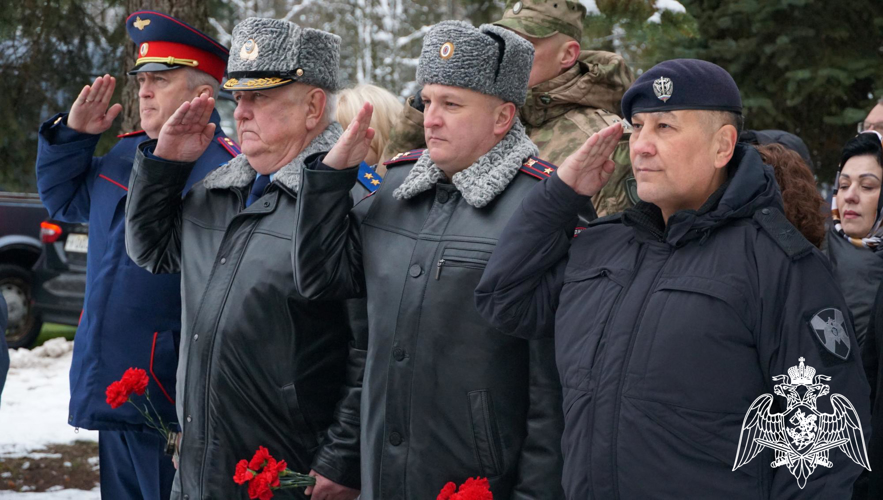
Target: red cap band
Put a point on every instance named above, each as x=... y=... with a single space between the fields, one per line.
x=185 y=54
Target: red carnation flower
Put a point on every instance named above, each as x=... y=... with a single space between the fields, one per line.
x=242 y=474
x=259 y=488
x=260 y=456
x=472 y=489
x=447 y=492
x=135 y=379
x=475 y=489
x=116 y=395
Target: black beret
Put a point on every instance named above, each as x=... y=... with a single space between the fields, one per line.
x=682 y=84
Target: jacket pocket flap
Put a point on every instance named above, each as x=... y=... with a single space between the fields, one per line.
x=718 y=289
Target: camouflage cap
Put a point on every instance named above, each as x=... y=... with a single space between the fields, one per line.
x=544 y=18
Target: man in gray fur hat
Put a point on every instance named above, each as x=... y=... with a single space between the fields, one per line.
x=447 y=396
x=260 y=365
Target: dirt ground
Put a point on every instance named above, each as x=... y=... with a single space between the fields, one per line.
x=58 y=466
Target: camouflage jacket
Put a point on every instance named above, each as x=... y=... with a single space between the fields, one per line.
x=559 y=115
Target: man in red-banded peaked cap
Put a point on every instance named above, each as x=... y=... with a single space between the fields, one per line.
x=130 y=317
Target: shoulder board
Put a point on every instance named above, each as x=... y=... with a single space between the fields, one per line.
x=607 y=219
x=411 y=155
x=612 y=118
x=538 y=168
x=231 y=147
x=369 y=178
x=130 y=134
x=789 y=239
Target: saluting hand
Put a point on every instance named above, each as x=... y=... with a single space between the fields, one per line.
x=89 y=114
x=588 y=169
x=188 y=132
x=355 y=143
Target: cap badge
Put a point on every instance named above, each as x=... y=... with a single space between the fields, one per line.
x=249 y=50
x=446 y=50
x=143 y=49
x=663 y=88
x=141 y=24
x=516 y=8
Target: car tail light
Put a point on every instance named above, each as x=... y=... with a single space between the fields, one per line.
x=49 y=232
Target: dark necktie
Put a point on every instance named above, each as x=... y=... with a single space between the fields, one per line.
x=257 y=189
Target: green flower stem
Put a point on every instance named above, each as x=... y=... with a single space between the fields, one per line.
x=165 y=431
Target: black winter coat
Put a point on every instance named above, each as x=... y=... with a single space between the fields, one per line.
x=665 y=335
x=260 y=364
x=446 y=396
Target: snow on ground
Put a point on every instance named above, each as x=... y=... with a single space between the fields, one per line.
x=34 y=405
x=33 y=411
x=69 y=494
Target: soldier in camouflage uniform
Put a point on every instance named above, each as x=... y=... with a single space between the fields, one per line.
x=572 y=95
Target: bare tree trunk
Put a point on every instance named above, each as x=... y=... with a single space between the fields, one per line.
x=192 y=12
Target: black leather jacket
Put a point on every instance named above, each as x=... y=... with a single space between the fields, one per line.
x=260 y=365
x=446 y=396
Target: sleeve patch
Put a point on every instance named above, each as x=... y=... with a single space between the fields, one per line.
x=369 y=178
x=538 y=168
x=829 y=328
x=412 y=155
x=231 y=147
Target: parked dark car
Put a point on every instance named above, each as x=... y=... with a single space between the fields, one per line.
x=20 y=247
x=60 y=273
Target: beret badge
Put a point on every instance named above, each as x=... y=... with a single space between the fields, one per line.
x=446 y=50
x=249 y=50
x=663 y=88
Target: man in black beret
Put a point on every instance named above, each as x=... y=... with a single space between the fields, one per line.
x=677 y=320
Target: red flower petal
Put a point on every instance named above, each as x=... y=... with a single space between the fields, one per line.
x=260 y=456
x=447 y=491
x=242 y=474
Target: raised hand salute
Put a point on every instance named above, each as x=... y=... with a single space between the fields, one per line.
x=89 y=113
x=188 y=132
x=355 y=143
x=588 y=169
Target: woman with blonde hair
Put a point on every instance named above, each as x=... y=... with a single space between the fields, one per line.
x=386 y=109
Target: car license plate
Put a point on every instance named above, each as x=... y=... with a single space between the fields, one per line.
x=76 y=243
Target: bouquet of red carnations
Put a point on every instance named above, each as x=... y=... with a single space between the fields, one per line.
x=472 y=489
x=134 y=381
x=264 y=475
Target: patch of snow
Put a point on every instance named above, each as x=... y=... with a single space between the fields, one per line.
x=671 y=5
x=67 y=494
x=34 y=408
x=591 y=7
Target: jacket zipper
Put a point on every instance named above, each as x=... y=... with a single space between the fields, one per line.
x=624 y=370
x=458 y=262
x=613 y=314
x=211 y=349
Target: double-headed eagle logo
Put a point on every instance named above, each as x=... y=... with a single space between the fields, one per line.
x=801 y=436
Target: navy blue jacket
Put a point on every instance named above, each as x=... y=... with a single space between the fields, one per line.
x=666 y=335
x=131 y=318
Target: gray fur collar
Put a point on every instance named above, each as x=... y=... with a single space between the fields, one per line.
x=238 y=173
x=481 y=182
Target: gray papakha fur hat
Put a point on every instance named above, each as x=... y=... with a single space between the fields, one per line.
x=491 y=60
x=268 y=53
